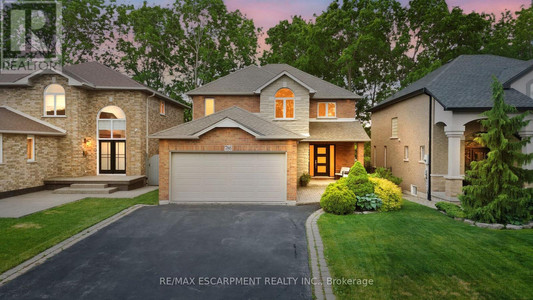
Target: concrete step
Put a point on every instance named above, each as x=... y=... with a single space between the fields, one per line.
x=95 y=191
x=89 y=185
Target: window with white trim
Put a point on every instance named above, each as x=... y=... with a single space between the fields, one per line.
x=111 y=123
x=394 y=128
x=406 y=153
x=54 y=101
x=1 y=149
x=30 y=145
x=162 y=107
x=284 y=108
x=209 y=106
x=326 y=110
x=422 y=153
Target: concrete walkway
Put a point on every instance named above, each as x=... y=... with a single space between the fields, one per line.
x=18 y=206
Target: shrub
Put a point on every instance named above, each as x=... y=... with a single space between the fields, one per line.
x=338 y=199
x=369 y=202
x=389 y=193
x=452 y=210
x=386 y=174
x=357 y=180
x=304 y=179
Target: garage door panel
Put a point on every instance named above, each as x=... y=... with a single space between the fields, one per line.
x=228 y=177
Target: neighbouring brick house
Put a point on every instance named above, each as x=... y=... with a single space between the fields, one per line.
x=254 y=132
x=429 y=127
x=85 y=120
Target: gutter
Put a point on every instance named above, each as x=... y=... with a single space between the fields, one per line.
x=428 y=192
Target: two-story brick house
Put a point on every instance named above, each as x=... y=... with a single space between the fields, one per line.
x=86 y=119
x=254 y=132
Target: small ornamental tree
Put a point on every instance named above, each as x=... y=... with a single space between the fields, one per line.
x=496 y=192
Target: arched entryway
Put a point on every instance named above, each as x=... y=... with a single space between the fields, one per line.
x=111 y=134
x=473 y=150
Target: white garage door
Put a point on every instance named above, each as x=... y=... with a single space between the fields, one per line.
x=228 y=177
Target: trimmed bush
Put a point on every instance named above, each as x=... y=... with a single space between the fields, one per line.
x=389 y=193
x=338 y=199
x=452 y=210
x=304 y=179
x=386 y=174
x=357 y=180
x=369 y=202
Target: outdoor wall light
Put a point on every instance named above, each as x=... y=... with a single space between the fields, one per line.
x=86 y=145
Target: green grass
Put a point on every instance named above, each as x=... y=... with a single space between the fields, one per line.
x=420 y=253
x=25 y=237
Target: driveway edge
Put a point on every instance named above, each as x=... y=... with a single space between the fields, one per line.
x=319 y=267
x=50 y=252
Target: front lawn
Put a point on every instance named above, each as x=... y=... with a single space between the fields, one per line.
x=418 y=252
x=25 y=237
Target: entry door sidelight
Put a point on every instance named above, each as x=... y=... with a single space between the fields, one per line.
x=321 y=160
x=112 y=157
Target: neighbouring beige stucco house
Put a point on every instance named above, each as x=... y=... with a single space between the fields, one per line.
x=254 y=132
x=427 y=130
x=86 y=119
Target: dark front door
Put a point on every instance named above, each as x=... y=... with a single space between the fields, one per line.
x=112 y=157
x=321 y=160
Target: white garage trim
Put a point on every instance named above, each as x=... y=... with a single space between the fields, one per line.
x=280 y=195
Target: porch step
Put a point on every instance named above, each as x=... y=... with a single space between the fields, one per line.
x=89 y=185
x=95 y=191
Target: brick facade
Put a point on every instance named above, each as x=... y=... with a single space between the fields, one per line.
x=215 y=140
x=413 y=120
x=249 y=103
x=68 y=155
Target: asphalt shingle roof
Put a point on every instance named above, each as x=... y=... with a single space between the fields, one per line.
x=94 y=75
x=351 y=131
x=466 y=83
x=16 y=122
x=246 y=81
x=263 y=128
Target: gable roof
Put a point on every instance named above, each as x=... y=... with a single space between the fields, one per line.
x=465 y=83
x=92 y=75
x=16 y=122
x=234 y=116
x=251 y=79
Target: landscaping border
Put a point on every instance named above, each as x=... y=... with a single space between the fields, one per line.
x=494 y=226
x=319 y=267
x=50 y=252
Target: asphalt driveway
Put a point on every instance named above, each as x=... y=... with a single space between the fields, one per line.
x=181 y=252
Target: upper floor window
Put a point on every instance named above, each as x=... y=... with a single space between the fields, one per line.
x=162 y=107
x=209 y=106
x=111 y=123
x=327 y=110
x=394 y=128
x=406 y=153
x=284 y=104
x=54 y=100
x=422 y=153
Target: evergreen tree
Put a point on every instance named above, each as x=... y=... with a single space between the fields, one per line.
x=496 y=192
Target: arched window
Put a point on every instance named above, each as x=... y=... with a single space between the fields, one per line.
x=54 y=100
x=111 y=123
x=284 y=104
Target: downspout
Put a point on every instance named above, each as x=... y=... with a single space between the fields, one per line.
x=147 y=133
x=429 y=145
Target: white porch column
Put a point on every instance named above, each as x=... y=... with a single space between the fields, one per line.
x=454 y=180
x=527 y=132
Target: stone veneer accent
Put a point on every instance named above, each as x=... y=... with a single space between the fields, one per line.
x=65 y=157
x=300 y=124
x=215 y=140
x=249 y=103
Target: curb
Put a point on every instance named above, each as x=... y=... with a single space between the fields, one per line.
x=50 y=252
x=319 y=267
